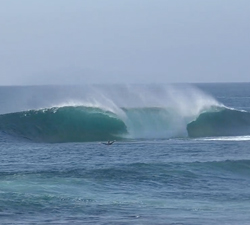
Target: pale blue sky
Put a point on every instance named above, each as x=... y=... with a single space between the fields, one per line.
x=125 y=41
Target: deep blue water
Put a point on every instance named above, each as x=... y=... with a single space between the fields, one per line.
x=155 y=173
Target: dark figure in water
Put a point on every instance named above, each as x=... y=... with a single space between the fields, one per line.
x=109 y=143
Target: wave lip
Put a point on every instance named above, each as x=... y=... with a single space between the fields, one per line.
x=64 y=124
x=223 y=122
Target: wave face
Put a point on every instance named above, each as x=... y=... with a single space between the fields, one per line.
x=64 y=124
x=223 y=122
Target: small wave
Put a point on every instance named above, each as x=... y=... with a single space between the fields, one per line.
x=233 y=166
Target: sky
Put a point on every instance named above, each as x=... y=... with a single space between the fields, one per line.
x=125 y=41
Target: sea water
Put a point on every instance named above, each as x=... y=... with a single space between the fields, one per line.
x=181 y=154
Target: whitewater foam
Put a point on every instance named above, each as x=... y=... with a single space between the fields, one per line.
x=231 y=138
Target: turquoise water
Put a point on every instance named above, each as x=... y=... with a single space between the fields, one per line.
x=155 y=173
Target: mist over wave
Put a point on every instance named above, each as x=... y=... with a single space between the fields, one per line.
x=100 y=113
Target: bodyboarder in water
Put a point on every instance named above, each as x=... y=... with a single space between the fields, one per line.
x=109 y=143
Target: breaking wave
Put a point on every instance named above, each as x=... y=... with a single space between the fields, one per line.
x=64 y=124
x=223 y=122
x=121 y=113
x=80 y=123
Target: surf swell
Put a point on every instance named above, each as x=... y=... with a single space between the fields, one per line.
x=64 y=124
x=222 y=122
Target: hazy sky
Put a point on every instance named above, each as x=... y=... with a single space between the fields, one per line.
x=124 y=41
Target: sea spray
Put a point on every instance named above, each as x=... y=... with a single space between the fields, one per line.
x=164 y=111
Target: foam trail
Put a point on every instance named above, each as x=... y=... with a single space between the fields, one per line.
x=233 y=138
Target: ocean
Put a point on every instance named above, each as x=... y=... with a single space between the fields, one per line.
x=181 y=154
